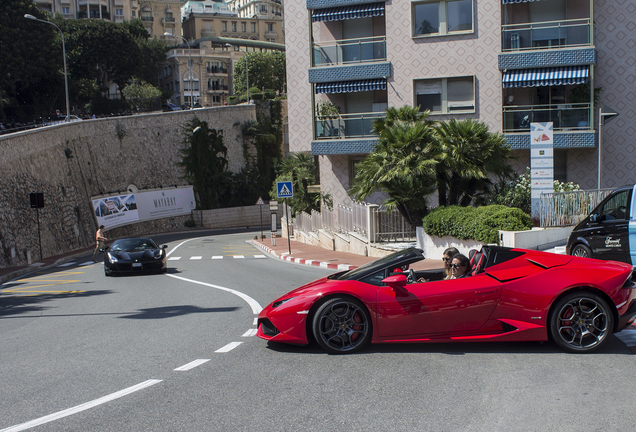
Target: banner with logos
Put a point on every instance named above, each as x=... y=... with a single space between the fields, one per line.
x=541 y=164
x=125 y=209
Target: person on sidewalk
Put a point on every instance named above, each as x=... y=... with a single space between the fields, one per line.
x=100 y=239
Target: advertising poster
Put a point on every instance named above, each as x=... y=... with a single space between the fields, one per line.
x=118 y=210
x=541 y=164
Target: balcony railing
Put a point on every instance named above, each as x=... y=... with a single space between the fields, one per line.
x=213 y=88
x=548 y=34
x=215 y=70
x=563 y=117
x=349 y=51
x=347 y=126
x=147 y=18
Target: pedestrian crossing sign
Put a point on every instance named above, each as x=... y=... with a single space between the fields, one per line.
x=285 y=189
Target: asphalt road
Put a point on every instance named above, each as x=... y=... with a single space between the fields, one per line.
x=176 y=352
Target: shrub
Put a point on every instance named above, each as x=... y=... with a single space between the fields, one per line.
x=475 y=223
x=190 y=223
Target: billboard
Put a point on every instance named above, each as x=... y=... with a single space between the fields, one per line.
x=541 y=164
x=117 y=210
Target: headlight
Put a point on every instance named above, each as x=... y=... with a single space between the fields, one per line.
x=112 y=258
x=158 y=254
x=280 y=302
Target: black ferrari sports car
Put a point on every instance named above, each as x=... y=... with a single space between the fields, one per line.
x=134 y=255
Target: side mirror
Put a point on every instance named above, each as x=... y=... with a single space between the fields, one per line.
x=164 y=246
x=398 y=280
x=594 y=218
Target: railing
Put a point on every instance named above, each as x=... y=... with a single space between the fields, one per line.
x=349 y=51
x=366 y=220
x=347 y=126
x=216 y=69
x=569 y=208
x=564 y=116
x=548 y=34
x=147 y=18
x=217 y=87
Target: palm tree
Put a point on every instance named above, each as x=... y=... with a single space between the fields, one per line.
x=468 y=156
x=403 y=163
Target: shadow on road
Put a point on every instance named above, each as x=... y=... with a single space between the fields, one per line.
x=173 y=311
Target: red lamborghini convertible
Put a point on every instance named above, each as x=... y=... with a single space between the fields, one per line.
x=511 y=295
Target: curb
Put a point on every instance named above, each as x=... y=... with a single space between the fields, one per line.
x=286 y=257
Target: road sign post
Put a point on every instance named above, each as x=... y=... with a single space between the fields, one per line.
x=261 y=203
x=285 y=190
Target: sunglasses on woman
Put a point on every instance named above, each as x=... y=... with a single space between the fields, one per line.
x=457 y=265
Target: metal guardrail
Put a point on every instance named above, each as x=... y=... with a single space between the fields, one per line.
x=569 y=208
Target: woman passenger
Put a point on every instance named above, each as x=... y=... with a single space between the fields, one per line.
x=447 y=257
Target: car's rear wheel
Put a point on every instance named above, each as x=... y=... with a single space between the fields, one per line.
x=581 y=322
x=342 y=325
x=581 y=251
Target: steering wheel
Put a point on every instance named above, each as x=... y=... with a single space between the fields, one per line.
x=411 y=277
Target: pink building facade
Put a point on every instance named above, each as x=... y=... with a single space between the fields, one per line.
x=504 y=62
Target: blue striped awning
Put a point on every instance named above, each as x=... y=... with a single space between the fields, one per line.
x=351 y=86
x=348 y=12
x=546 y=76
x=516 y=1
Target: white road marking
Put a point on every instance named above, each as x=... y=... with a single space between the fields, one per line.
x=260 y=256
x=82 y=407
x=256 y=308
x=88 y=263
x=227 y=348
x=192 y=365
x=249 y=333
x=255 y=321
x=217 y=257
x=67 y=264
x=238 y=256
x=196 y=257
x=174 y=258
x=175 y=248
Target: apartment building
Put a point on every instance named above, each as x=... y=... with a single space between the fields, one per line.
x=257 y=8
x=199 y=70
x=159 y=16
x=504 y=62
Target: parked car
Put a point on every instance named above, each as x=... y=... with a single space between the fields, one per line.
x=513 y=295
x=170 y=107
x=133 y=256
x=605 y=232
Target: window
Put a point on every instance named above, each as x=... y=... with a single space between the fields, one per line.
x=224 y=26
x=244 y=27
x=66 y=10
x=445 y=95
x=253 y=27
x=234 y=26
x=270 y=27
x=169 y=17
x=615 y=207
x=434 y=18
x=119 y=12
x=146 y=15
x=263 y=8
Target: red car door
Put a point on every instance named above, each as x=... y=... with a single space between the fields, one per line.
x=457 y=305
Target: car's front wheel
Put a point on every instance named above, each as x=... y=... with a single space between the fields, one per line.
x=582 y=251
x=581 y=322
x=342 y=325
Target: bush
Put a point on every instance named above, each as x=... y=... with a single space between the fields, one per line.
x=190 y=223
x=475 y=223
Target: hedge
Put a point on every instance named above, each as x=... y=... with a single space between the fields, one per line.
x=475 y=223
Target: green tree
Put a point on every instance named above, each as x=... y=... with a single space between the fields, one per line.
x=299 y=168
x=468 y=155
x=403 y=163
x=152 y=51
x=32 y=74
x=140 y=93
x=204 y=161
x=266 y=71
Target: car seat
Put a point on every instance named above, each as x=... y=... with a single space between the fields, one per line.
x=477 y=261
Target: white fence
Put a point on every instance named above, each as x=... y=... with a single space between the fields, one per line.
x=569 y=208
x=367 y=220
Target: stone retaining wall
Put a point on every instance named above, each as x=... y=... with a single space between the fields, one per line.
x=71 y=162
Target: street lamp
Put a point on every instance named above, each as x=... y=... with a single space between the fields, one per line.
x=189 y=64
x=68 y=109
x=247 y=72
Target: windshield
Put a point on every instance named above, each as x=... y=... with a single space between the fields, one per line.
x=396 y=259
x=130 y=245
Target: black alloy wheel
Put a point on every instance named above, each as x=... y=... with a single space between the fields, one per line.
x=342 y=325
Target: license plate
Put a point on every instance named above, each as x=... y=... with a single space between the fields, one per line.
x=136 y=265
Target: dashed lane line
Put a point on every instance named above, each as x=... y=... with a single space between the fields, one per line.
x=192 y=365
x=227 y=348
x=82 y=407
